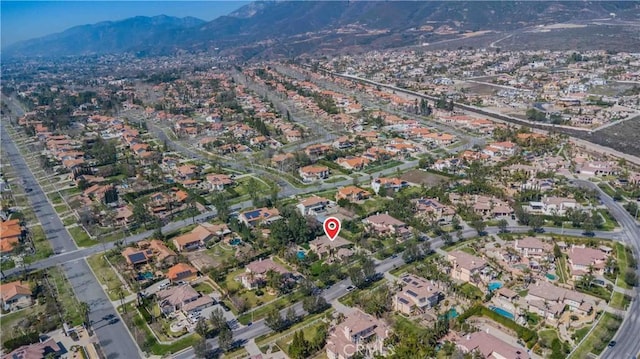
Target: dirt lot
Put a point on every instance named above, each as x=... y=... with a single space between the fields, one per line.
x=622 y=137
x=422 y=177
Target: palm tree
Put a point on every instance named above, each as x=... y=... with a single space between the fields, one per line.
x=84 y=309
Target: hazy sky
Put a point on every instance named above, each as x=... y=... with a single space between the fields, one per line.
x=22 y=20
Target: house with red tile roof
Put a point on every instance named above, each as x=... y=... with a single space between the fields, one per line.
x=358 y=332
x=15 y=295
x=352 y=194
x=313 y=172
x=384 y=224
x=182 y=272
x=490 y=346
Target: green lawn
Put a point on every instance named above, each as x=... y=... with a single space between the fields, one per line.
x=581 y=333
x=106 y=276
x=623 y=264
x=610 y=223
x=55 y=198
x=384 y=166
x=599 y=337
x=42 y=245
x=203 y=288
x=273 y=336
x=619 y=300
x=66 y=296
x=561 y=270
x=8 y=321
x=280 y=303
x=309 y=332
x=335 y=179
x=67 y=221
x=470 y=291
x=61 y=208
x=81 y=237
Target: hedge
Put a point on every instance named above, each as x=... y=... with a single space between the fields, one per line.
x=17 y=342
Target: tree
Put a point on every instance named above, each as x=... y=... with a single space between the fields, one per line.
x=412 y=253
x=274 y=320
x=314 y=304
x=225 y=338
x=202 y=328
x=557 y=253
x=455 y=223
x=502 y=225
x=536 y=223
x=588 y=226
x=479 y=225
x=217 y=319
x=201 y=348
x=291 y=317
x=299 y=347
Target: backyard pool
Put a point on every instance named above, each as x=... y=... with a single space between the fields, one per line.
x=502 y=312
x=235 y=242
x=451 y=314
x=551 y=276
x=494 y=285
x=301 y=255
x=145 y=275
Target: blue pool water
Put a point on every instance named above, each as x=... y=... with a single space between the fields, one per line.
x=145 y=275
x=551 y=276
x=235 y=242
x=502 y=312
x=494 y=285
x=451 y=314
x=301 y=255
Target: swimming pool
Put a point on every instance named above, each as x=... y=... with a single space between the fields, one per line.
x=502 y=312
x=551 y=276
x=451 y=314
x=235 y=242
x=494 y=285
x=300 y=255
x=144 y=275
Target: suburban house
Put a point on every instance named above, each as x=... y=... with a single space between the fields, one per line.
x=10 y=234
x=532 y=247
x=198 y=236
x=384 y=224
x=491 y=207
x=353 y=163
x=433 y=209
x=359 y=331
x=352 y=194
x=582 y=259
x=598 y=168
x=149 y=251
x=312 y=205
x=45 y=349
x=331 y=249
x=312 y=173
x=257 y=216
x=417 y=295
x=464 y=266
x=256 y=272
x=182 y=272
x=549 y=301
x=490 y=346
x=389 y=184
x=218 y=182
x=553 y=205
x=174 y=298
x=15 y=295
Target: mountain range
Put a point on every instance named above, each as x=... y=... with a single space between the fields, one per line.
x=289 y=28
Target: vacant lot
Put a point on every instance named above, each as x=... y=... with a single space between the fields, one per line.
x=622 y=137
x=422 y=177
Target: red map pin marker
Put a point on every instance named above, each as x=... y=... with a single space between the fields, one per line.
x=332 y=227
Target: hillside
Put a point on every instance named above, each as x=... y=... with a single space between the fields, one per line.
x=291 y=28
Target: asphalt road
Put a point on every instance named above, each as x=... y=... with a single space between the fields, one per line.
x=628 y=336
x=112 y=333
